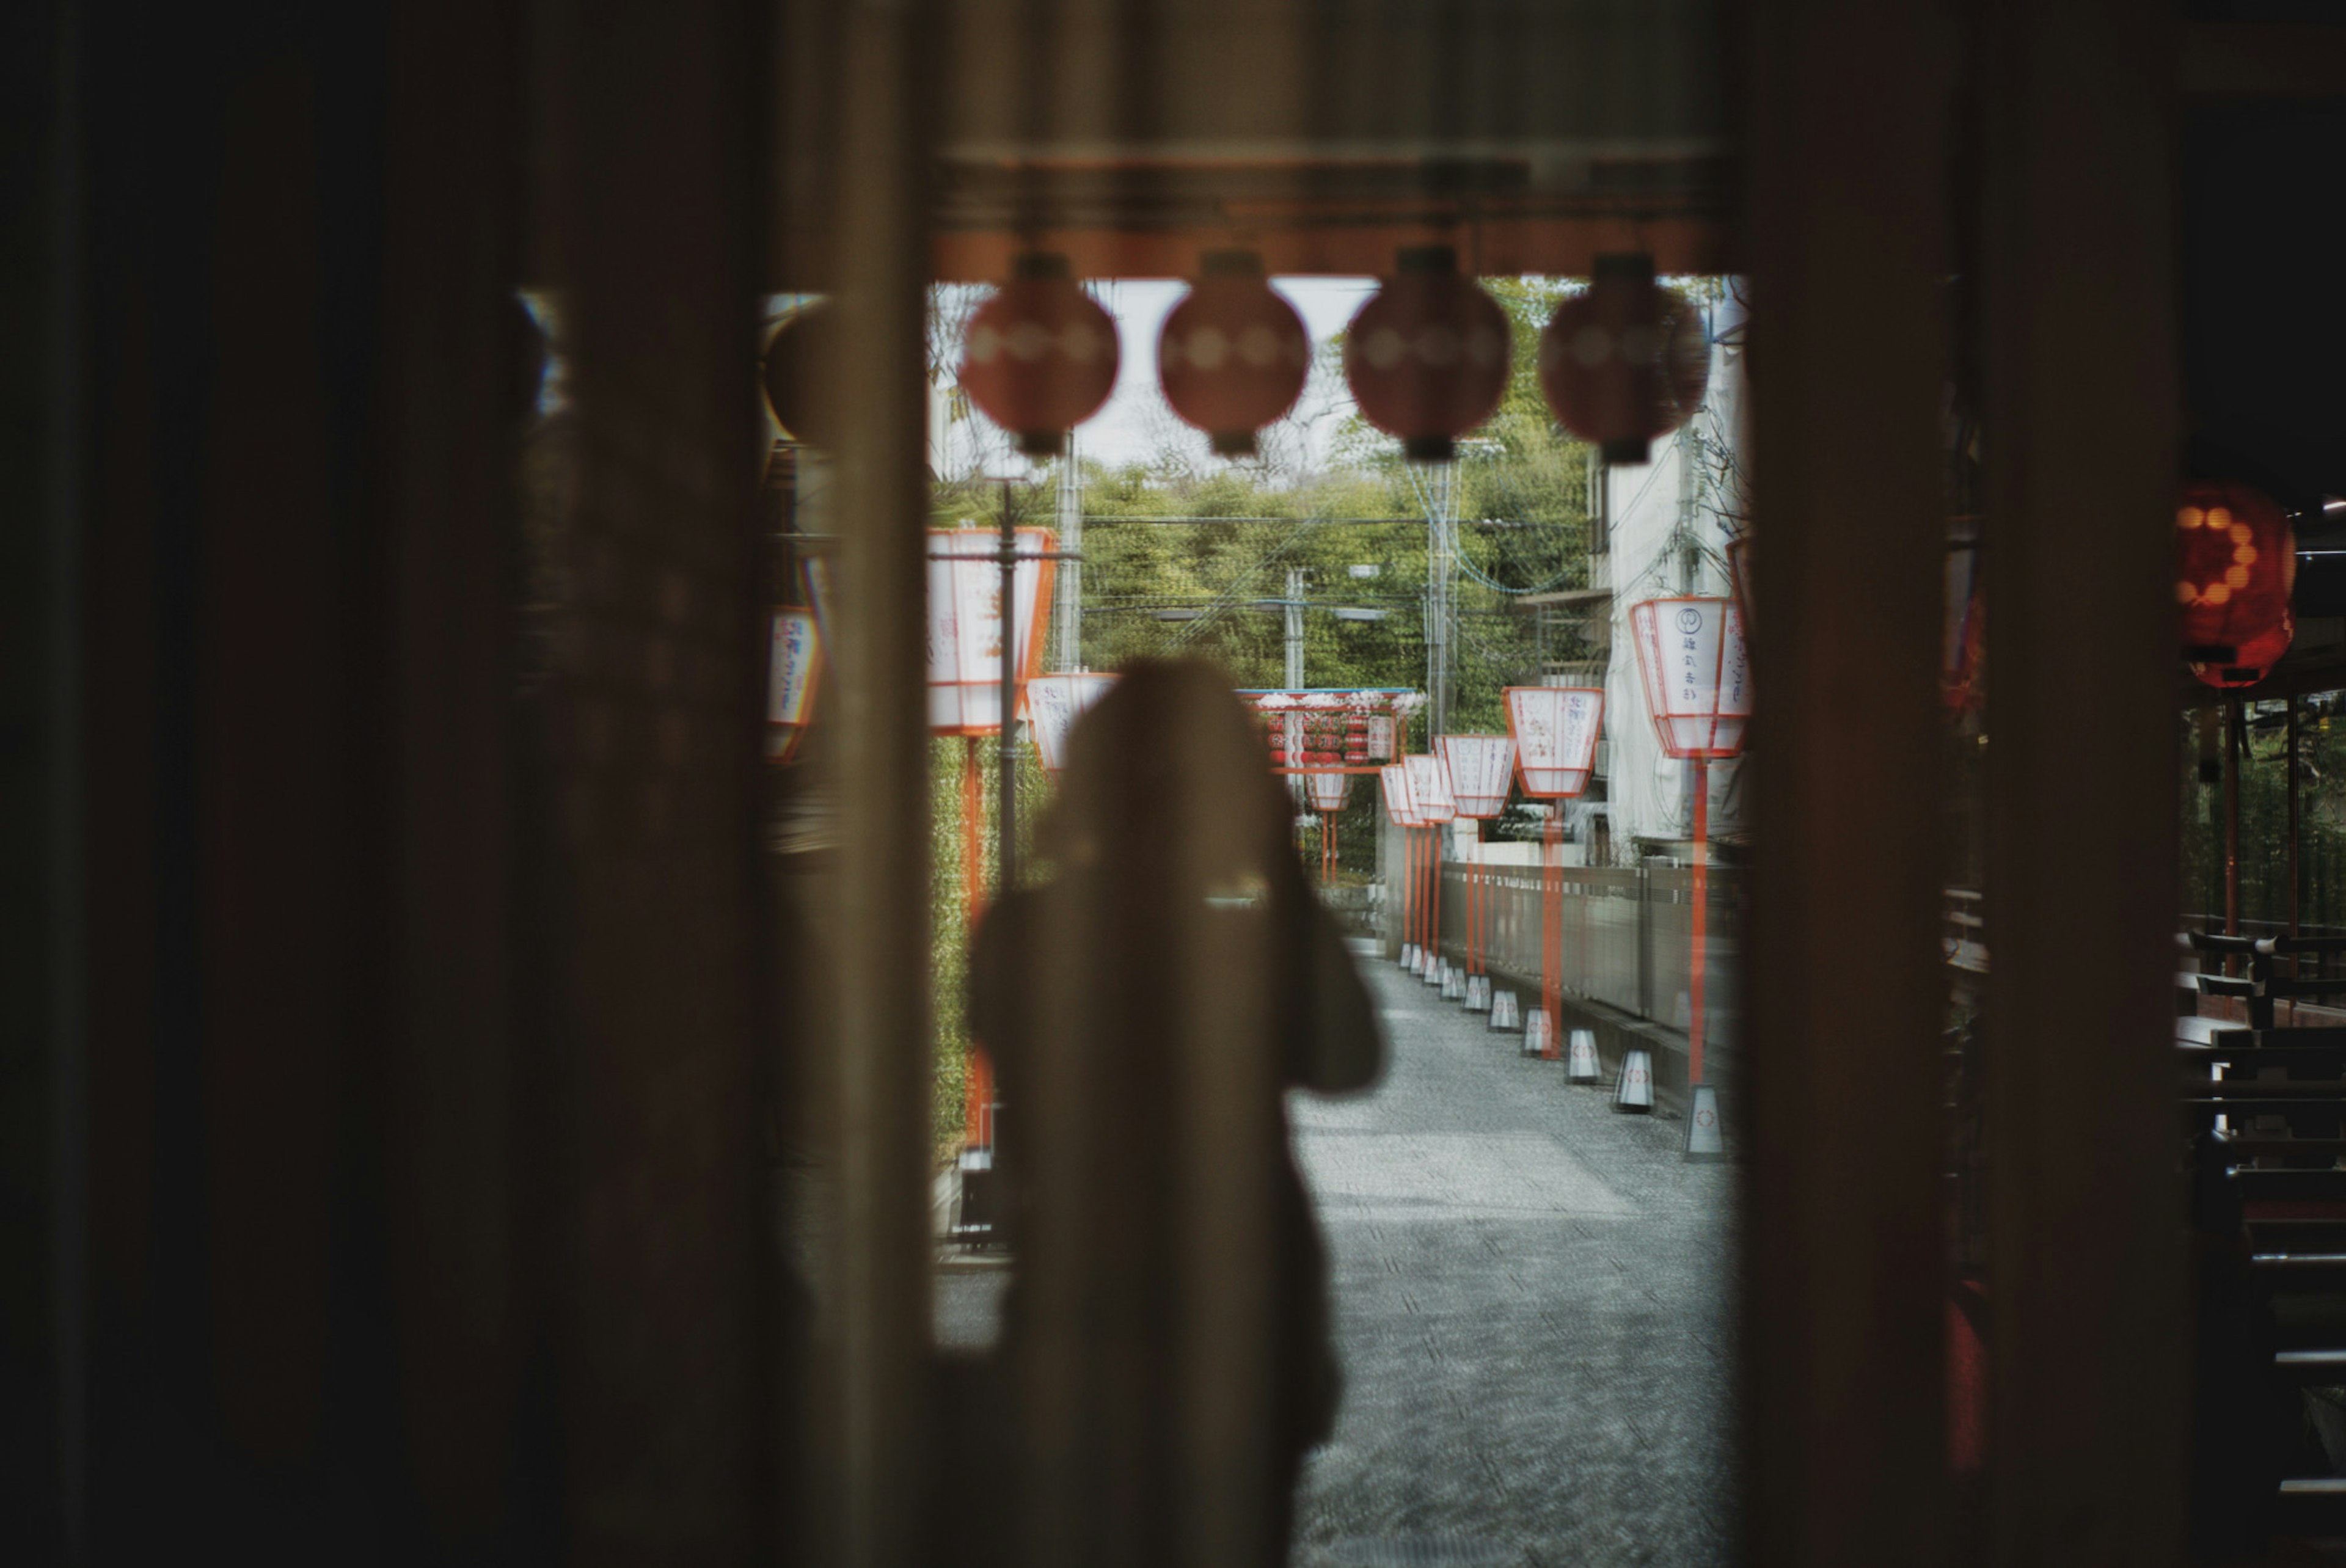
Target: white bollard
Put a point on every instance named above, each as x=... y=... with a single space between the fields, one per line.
x=1536 y=1033
x=1454 y=984
x=1478 y=994
x=1580 y=1063
x=1704 y=1141
x=1503 y=1010
x=1409 y=956
x=1633 y=1089
x=1431 y=973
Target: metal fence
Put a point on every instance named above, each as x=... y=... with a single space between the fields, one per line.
x=1626 y=936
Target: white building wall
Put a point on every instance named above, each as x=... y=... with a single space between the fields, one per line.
x=1686 y=492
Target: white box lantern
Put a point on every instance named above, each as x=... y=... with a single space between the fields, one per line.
x=965 y=624
x=1429 y=790
x=1555 y=729
x=1053 y=703
x=1481 y=768
x=1329 y=791
x=1698 y=677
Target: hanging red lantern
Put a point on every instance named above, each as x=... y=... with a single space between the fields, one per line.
x=1040 y=355
x=1427 y=355
x=2252 y=660
x=1234 y=354
x=798 y=359
x=1626 y=362
x=2236 y=564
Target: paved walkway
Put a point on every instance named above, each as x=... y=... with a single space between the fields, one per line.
x=1533 y=1297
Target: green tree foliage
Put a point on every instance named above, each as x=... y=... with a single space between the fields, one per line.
x=2264 y=826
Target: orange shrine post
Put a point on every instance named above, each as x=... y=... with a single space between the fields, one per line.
x=1328 y=792
x=1555 y=729
x=966 y=699
x=1481 y=769
x=1395 y=780
x=1698 y=689
x=1429 y=793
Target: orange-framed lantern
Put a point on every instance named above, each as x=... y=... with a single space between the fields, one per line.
x=1429 y=794
x=1555 y=729
x=965 y=623
x=1481 y=769
x=2236 y=567
x=1233 y=355
x=1393 y=780
x=1696 y=673
x=1427 y=357
x=1053 y=704
x=1429 y=789
x=1698 y=681
x=1040 y=355
x=1401 y=806
x=793 y=672
x=1327 y=793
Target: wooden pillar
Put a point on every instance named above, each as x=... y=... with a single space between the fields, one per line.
x=2089 y=1358
x=1843 y=1328
x=871 y=1417
x=650 y=910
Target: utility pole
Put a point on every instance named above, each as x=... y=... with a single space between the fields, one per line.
x=1441 y=560
x=1006 y=756
x=1295 y=628
x=1070 y=592
x=1293 y=673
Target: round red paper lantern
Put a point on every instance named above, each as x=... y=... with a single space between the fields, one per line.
x=1626 y=362
x=1427 y=355
x=800 y=354
x=2252 y=661
x=1233 y=355
x=1040 y=355
x=2236 y=564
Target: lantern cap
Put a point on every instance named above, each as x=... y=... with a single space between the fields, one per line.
x=1234 y=444
x=1429 y=449
x=1426 y=258
x=1625 y=266
x=1039 y=264
x=1234 y=261
x=1634 y=449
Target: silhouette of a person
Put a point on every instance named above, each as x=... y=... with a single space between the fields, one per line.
x=1168 y=1345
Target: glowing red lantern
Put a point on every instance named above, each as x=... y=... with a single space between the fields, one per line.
x=1427 y=355
x=2252 y=660
x=2236 y=564
x=1626 y=362
x=1040 y=356
x=1234 y=354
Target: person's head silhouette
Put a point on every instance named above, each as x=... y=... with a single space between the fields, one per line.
x=1168 y=781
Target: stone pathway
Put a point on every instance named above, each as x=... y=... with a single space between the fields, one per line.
x=1534 y=1300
